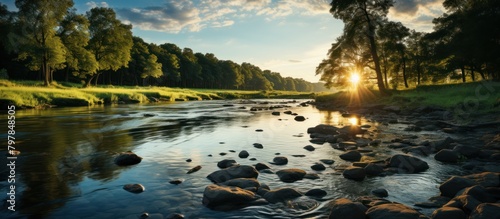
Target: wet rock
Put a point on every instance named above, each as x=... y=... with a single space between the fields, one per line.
x=281 y=195
x=327 y=161
x=261 y=166
x=312 y=176
x=464 y=202
x=316 y=192
x=226 y=163
x=175 y=216
x=408 y=164
x=447 y=155
x=373 y=169
x=243 y=154
x=288 y=112
x=298 y=155
x=485 y=179
x=418 y=150
x=448 y=213
x=222 y=153
x=392 y=211
x=354 y=173
x=291 y=175
x=275 y=113
x=346 y=144
x=226 y=198
x=318 y=167
x=259 y=130
x=382 y=193
x=468 y=151
x=263 y=189
x=360 y=164
x=318 y=140
x=127 y=158
x=134 y=188
x=253 y=159
x=434 y=202
x=268 y=171
x=309 y=148
x=280 y=160
x=486 y=211
x=234 y=172
x=351 y=156
x=478 y=192
x=176 y=181
x=244 y=183
x=450 y=187
x=299 y=118
x=194 y=169
x=346 y=209
x=258 y=145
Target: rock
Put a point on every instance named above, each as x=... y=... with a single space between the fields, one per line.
x=354 y=173
x=346 y=144
x=317 y=140
x=261 y=166
x=189 y=160
x=360 y=164
x=259 y=130
x=485 y=179
x=134 y=188
x=351 y=156
x=327 y=161
x=280 y=160
x=234 y=172
x=382 y=193
x=450 y=187
x=408 y=164
x=176 y=181
x=258 y=145
x=468 y=151
x=447 y=213
x=243 y=154
x=373 y=169
x=226 y=198
x=281 y=195
x=175 y=216
x=291 y=175
x=263 y=189
x=346 y=209
x=316 y=192
x=127 y=158
x=298 y=155
x=392 y=211
x=447 y=155
x=486 y=211
x=222 y=153
x=253 y=159
x=244 y=183
x=309 y=148
x=318 y=167
x=288 y=112
x=312 y=176
x=226 y=163
x=299 y=118
x=194 y=169
x=275 y=113
x=478 y=192
x=464 y=202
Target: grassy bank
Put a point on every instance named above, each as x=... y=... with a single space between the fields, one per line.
x=479 y=97
x=32 y=94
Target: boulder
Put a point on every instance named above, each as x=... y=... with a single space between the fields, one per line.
x=450 y=187
x=309 y=148
x=291 y=175
x=327 y=161
x=486 y=211
x=258 y=145
x=373 y=169
x=281 y=195
x=134 y=188
x=485 y=179
x=382 y=193
x=408 y=164
x=354 y=173
x=448 y=213
x=447 y=155
x=318 y=167
x=261 y=166
x=346 y=209
x=351 y=156
x=244 y=183
x=226 y=163
x=468 y=151
x=316 y=192
x=478 y=192
x=280 y=160
x=194 y=169
x=392 y=211
x=243 y=154
x=300 y=118
x=275 y=113
x=323 y=129
x=226 y=198
x=234 y=172
x=311 y=176
x=127 y=158
x=464 y=202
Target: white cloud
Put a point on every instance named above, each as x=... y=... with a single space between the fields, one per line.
x=417 y=14
x=93 y=4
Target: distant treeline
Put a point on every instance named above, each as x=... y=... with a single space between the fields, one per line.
x=49 y=41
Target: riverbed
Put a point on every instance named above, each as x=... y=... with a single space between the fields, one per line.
x=66 y=169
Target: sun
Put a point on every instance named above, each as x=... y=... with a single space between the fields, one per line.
x=355 y=78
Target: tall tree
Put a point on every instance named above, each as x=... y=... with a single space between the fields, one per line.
x=110 y=41
x=38 y=22
x=364 y=14
x=392 y=49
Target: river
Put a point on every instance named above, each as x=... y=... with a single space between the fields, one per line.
x=66 y=167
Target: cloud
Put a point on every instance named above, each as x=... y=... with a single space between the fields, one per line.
x=417 y=14
x=93 y=4
x=178 y=15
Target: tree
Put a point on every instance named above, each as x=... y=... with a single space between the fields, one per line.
x=169 y=64
x=38 y=22
x=74 y=33
x=110 y=41
x=231 y=76
x=363 y=15
x=392 y=49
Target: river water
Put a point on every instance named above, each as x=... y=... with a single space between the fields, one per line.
x=66 y=167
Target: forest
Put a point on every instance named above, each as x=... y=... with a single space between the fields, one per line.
x=50 y=41
x=463 y=46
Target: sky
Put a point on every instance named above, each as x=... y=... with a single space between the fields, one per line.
x=286 y=36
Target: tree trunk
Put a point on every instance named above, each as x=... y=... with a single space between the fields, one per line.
x=404 y=72
x=373 y=51
x=97 y=79
x=472 y=73
x=88 y=81
x=462 y=68
x=46 y=73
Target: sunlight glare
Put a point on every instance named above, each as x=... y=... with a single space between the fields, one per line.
x=355 y=78
x=353 y=120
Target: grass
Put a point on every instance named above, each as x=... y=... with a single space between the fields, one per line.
x=479 y=97
x=32 y=94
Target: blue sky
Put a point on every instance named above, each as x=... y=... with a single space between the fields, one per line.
x=287 y=36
